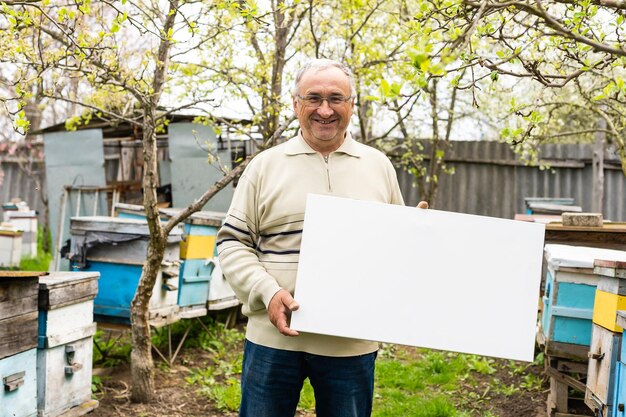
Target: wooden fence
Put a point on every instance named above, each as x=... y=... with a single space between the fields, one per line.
x=489 y=180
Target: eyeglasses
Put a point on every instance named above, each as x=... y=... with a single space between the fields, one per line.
x=315 y=101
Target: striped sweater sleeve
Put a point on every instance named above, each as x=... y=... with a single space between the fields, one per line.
x=236 y=244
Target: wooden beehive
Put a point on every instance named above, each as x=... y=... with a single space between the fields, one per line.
x=18 y=340
x=620 y=375
x=568 y=302
x=18 y=375
x=10 y=247
x=64 y=357
x=605 y=350
x=18 y=312
x=120 y=267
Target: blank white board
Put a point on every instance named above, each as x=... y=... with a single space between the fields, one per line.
x=417 y=277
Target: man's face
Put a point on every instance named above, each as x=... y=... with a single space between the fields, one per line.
x=324 y=127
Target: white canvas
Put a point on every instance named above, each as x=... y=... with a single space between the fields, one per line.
x=416 y=277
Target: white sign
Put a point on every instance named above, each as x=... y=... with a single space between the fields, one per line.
x=417 y=277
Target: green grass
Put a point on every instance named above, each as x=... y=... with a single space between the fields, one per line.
x=408 y=382
x=40 y=262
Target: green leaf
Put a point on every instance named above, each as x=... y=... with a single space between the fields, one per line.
x=384 y=88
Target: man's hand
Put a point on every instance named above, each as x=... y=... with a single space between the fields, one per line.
x=280 y=308
x=422 y=204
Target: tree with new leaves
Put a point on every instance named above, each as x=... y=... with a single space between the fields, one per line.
x=573 y=50
x=396 y=100
x=120 y=54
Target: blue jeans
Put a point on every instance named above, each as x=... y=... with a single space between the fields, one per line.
x=272 y=379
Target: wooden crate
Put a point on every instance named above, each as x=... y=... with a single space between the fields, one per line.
x=18 y=312
x=64 y=357
x=18 y=375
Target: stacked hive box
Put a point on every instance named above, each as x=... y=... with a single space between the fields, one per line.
x=26 y=221
x=201 y=283
x=196 y=253
x=10 y=245
x=64 y=354
x=570 y=290
x=117 y=249
x=566 y=322
x=605 y=350
x=18 y=343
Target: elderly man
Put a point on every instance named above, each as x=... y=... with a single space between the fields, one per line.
x=259 y=246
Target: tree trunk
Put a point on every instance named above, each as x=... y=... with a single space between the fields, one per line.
x=141 y=357
x=434 y=165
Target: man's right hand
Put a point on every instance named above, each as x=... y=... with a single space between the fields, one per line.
x=280 y=308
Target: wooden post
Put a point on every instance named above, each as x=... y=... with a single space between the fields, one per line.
x=598 y=168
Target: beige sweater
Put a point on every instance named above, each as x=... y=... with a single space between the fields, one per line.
x=259 y=244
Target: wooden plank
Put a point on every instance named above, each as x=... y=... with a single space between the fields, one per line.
x=621 y=318
x=572 y=367
x=115 y=225
x=24 y=274
x=566 y=380
x=604 y=355
x=59 y=295
x=82 y=409
x=18 y=295
x=610 y=235
x=567 y=350
x=558 y=391
x=19 y=333
x=605 y=272
x=610 y=264
x=55 y=340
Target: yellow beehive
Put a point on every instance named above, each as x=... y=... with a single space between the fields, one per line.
x=197 y=247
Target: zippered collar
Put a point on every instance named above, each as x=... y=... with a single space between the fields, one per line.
x=297 y=145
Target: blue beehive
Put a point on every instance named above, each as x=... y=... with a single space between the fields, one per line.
x=18 y=374
x=620 y=375
x=570 y=288
x=116 y=247
x=198 y=255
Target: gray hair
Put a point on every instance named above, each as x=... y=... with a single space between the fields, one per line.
x=322 y=64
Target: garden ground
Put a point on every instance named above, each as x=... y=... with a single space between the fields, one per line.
x=410 y=382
